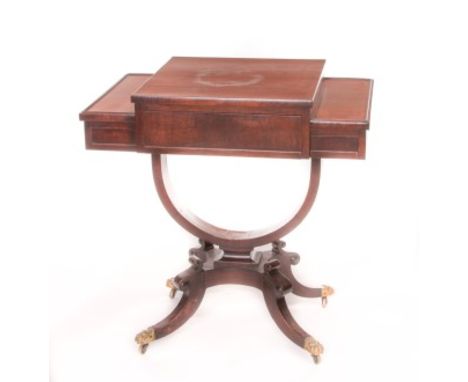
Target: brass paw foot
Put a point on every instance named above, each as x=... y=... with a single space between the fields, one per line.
x=171 y=283
x=326 y=291
x=144 y=338
x=294 y=258
x=314 y=347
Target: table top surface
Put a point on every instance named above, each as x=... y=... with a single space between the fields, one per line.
x=233 y=106
x=343 y=100
x=234 y=79
x=337 y=99
x=117 y=99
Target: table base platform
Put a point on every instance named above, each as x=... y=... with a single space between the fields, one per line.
x=270 y=271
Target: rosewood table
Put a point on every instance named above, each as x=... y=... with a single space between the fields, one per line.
x=274 y=108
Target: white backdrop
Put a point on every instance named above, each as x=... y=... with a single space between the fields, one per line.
x=389 y=233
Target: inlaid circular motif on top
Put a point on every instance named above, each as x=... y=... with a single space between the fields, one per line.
x=226 y=78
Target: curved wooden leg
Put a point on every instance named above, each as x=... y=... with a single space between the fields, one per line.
x=300 y=289
x=192 y=284
x=269 y=271
x=282 y=316
x=287 y=259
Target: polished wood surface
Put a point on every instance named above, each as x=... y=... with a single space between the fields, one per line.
x=228 y=106
x=343 y=101
x=244 y=107
x=217 y=81
x=228 y=240
x=269 y=271
x=115 y=104
x=335 y=126
x=110 y=120
x=340 y=118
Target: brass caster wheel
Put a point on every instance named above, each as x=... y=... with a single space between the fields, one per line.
x=314 y=347
x=142 y=348
x=326 y=291
x=144 y=338
x=171 y=283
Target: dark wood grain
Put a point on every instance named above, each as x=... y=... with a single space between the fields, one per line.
x=338 y=123
x=340 y=118
x=266 y=272
x=209 y=81
x=115 y=104
x=229 y=240
x=228 y=106
x=277 y=116
x=110 y=120
x=223 y=132
x=244 y=107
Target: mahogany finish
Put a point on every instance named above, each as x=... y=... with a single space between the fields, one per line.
x=228 y=240
x=340 y=118
x=282 y=114
x=264 y=270
x=217 y=82
x=110 y=120
x=228 y=106
x=244 y=107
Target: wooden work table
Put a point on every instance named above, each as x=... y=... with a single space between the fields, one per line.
x=274 y=108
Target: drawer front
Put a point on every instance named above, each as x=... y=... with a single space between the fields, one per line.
x=110 y=136
x=211 y=133
x=328 y=142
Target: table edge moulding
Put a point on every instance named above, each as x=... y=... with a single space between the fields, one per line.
x=274 y=108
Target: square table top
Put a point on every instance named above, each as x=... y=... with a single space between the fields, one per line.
x=204 y=80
